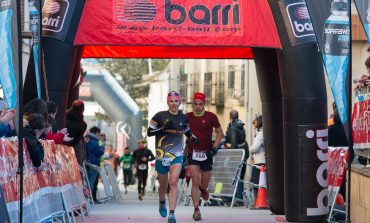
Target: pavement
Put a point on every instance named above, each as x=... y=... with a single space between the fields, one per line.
x=134 y=211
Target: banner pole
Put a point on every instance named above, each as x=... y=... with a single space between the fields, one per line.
x=349 y=112
x=40 y=60
x=20 y=112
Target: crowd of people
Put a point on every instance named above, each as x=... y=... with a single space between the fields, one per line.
x=201 y=128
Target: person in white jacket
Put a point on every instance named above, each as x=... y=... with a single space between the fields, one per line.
x=257 y=151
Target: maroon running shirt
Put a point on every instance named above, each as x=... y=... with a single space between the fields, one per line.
x=202 y=127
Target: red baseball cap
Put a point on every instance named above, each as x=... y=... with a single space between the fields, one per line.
x=200 y=96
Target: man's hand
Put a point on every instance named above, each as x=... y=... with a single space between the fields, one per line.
x=212 y=152
x=66 y=138
x=63 y=131
x=194 y=139
x=7 y=116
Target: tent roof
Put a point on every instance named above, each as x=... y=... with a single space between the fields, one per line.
x=175 y=28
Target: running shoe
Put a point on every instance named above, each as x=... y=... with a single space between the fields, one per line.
x=163 y=209
x=204 y=194
x=197 y=216
x=171 y=218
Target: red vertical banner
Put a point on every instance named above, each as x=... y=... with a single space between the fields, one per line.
x=360 y=130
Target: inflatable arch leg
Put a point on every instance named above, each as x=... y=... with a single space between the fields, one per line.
x=304 y=122
x=272 y=112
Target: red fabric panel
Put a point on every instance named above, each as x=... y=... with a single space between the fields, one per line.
x=103 y=24
x=167 y=52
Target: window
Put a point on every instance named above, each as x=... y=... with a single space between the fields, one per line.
x=242 y=83
x=183 y=85
x=208 y=86
x=231 y=81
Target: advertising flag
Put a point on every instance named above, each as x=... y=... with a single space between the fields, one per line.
x=8 y=49
x=35 y=30
x=330 y=19
x=363 y=8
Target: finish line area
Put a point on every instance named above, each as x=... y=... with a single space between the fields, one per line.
x=133 y=210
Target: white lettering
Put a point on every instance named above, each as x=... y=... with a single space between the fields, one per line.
x=51 y=21
x=303 y=27
x=321 y=177
x=337 y=31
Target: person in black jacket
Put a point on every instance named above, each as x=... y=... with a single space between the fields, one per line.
x=141 y=158
x=235 y=139
x=76 y=128
x=31 y=133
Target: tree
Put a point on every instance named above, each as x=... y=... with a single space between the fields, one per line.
x=129 y=73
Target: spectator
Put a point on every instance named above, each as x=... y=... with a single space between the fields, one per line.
x=62 y=135
x=235 y=139
x=31 y=133
x=76 y=128
x=6 y=117
x=257 y=151
x=93 y=153
x=364 y=80
x=37 y=106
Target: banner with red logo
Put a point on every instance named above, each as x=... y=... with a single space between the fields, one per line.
x=177 y=23
x=361 y=121
x=338 y=157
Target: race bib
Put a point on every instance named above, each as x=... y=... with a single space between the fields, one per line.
x=126 y=165
x=142 y=166
x=199 y=155
x=166 y=162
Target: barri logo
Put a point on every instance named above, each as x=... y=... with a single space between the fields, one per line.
x=210 y=15
x=300 y=20
x=321 y=138
x=53 y=14
x=139 y=11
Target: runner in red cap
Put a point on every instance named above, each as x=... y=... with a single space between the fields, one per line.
x=200 y=156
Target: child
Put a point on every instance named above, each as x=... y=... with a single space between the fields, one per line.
x=32 y=132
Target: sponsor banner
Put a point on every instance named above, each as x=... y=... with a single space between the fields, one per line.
x=4 y=216
x=330 y=19
x=56 y=17
x=361 y=122
x=363 y=9
x=177 y=23
x=313 y=158
x=297 y=21
x=8 y=51
x=35 y=30
x=338 y=157
x=60 y=168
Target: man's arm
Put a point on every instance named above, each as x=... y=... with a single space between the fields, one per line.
x=151 y=156
x=219 y=137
